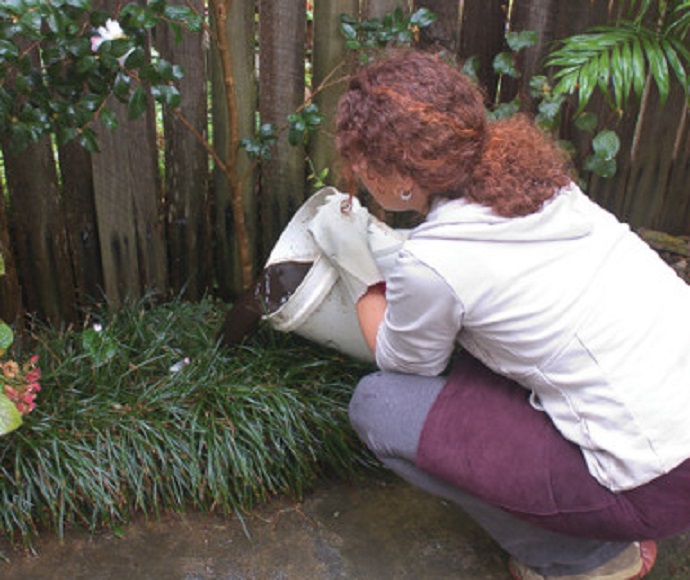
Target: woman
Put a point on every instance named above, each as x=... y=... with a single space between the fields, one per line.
x=562 y=426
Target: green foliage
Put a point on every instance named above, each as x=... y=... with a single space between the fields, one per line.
x=394 y=29
x=61 y=59
x=617 y=60
x=504 y=65
x=303 y=122
x=260 y=146
x=146 y=414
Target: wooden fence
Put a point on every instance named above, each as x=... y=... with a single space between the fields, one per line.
x=114 y=225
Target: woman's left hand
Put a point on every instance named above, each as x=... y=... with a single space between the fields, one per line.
x=342 y=236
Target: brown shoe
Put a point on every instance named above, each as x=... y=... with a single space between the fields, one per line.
x=632 y=563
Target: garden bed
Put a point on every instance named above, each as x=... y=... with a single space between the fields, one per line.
x=143 y=412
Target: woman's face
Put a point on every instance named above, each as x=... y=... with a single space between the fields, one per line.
x=394 y=192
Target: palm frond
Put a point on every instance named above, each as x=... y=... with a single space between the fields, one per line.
x=617 y=61
x=680 y=20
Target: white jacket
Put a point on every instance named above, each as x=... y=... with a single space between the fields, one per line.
x=568 y=302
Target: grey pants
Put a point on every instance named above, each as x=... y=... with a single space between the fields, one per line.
x=388 y=411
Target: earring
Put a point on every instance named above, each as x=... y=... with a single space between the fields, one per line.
x=406 y=195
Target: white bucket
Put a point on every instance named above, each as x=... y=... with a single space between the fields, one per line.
x=321 y=309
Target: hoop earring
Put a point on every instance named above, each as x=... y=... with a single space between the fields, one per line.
x=406 y=195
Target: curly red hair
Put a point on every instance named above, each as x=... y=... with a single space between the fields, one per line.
x=413 y=112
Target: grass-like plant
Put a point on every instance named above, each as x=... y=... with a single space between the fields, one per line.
x=143 y=412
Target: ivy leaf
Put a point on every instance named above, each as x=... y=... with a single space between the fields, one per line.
x=587 y=121
x=519 y=40
x=606 y=144
x=471 y=68
x=605 y=168
x=504 y=64
x=423 y=18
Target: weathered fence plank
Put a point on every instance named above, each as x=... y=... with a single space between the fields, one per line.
x=282 y=27
x=80 y=216
x=40 y=237
x=482 y=34
x=113 y=185
x=186 y=167
x=240 y=32
x=11 y=308
x=444 y=34
x=676 y=216
x=330 y=63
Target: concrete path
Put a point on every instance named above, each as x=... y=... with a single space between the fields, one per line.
x=375 y=528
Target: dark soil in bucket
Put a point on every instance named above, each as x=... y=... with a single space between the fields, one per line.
x=274 y=287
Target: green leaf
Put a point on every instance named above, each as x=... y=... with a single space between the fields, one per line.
x=137 y=103
x=587 y=83
x=505 y=110
x=639 y=68
x=676 y=65
x=587 y=121
x=10 y=419
x=658 y=67
x=9 y=52
x=136 y=58
x=605 y=168
x=121 y=86
x=606 y=144
x=30 y=24
x=423 y=18
x=87 y=139
x=6 y=336
x=109 y=119
x=504 y=64
x=348 y=31
x=519 y=40
x=471 y=68
x=166 y=95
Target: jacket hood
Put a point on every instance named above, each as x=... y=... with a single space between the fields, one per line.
x=563 y=217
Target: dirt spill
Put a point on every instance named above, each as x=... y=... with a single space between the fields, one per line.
x=273 y=288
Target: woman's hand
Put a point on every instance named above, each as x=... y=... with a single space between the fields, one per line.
x=342 y=237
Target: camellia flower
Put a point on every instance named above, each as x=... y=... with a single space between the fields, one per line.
x=111 y=31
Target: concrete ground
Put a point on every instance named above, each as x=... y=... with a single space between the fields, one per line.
x=374 y=528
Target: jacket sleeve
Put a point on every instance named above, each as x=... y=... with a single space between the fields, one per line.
x=422 y=320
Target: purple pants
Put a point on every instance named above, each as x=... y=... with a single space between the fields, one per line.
x=484 y=437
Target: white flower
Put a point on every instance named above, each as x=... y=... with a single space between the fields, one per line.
x=110 y=31
x=98 y=327
x=178 y=366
